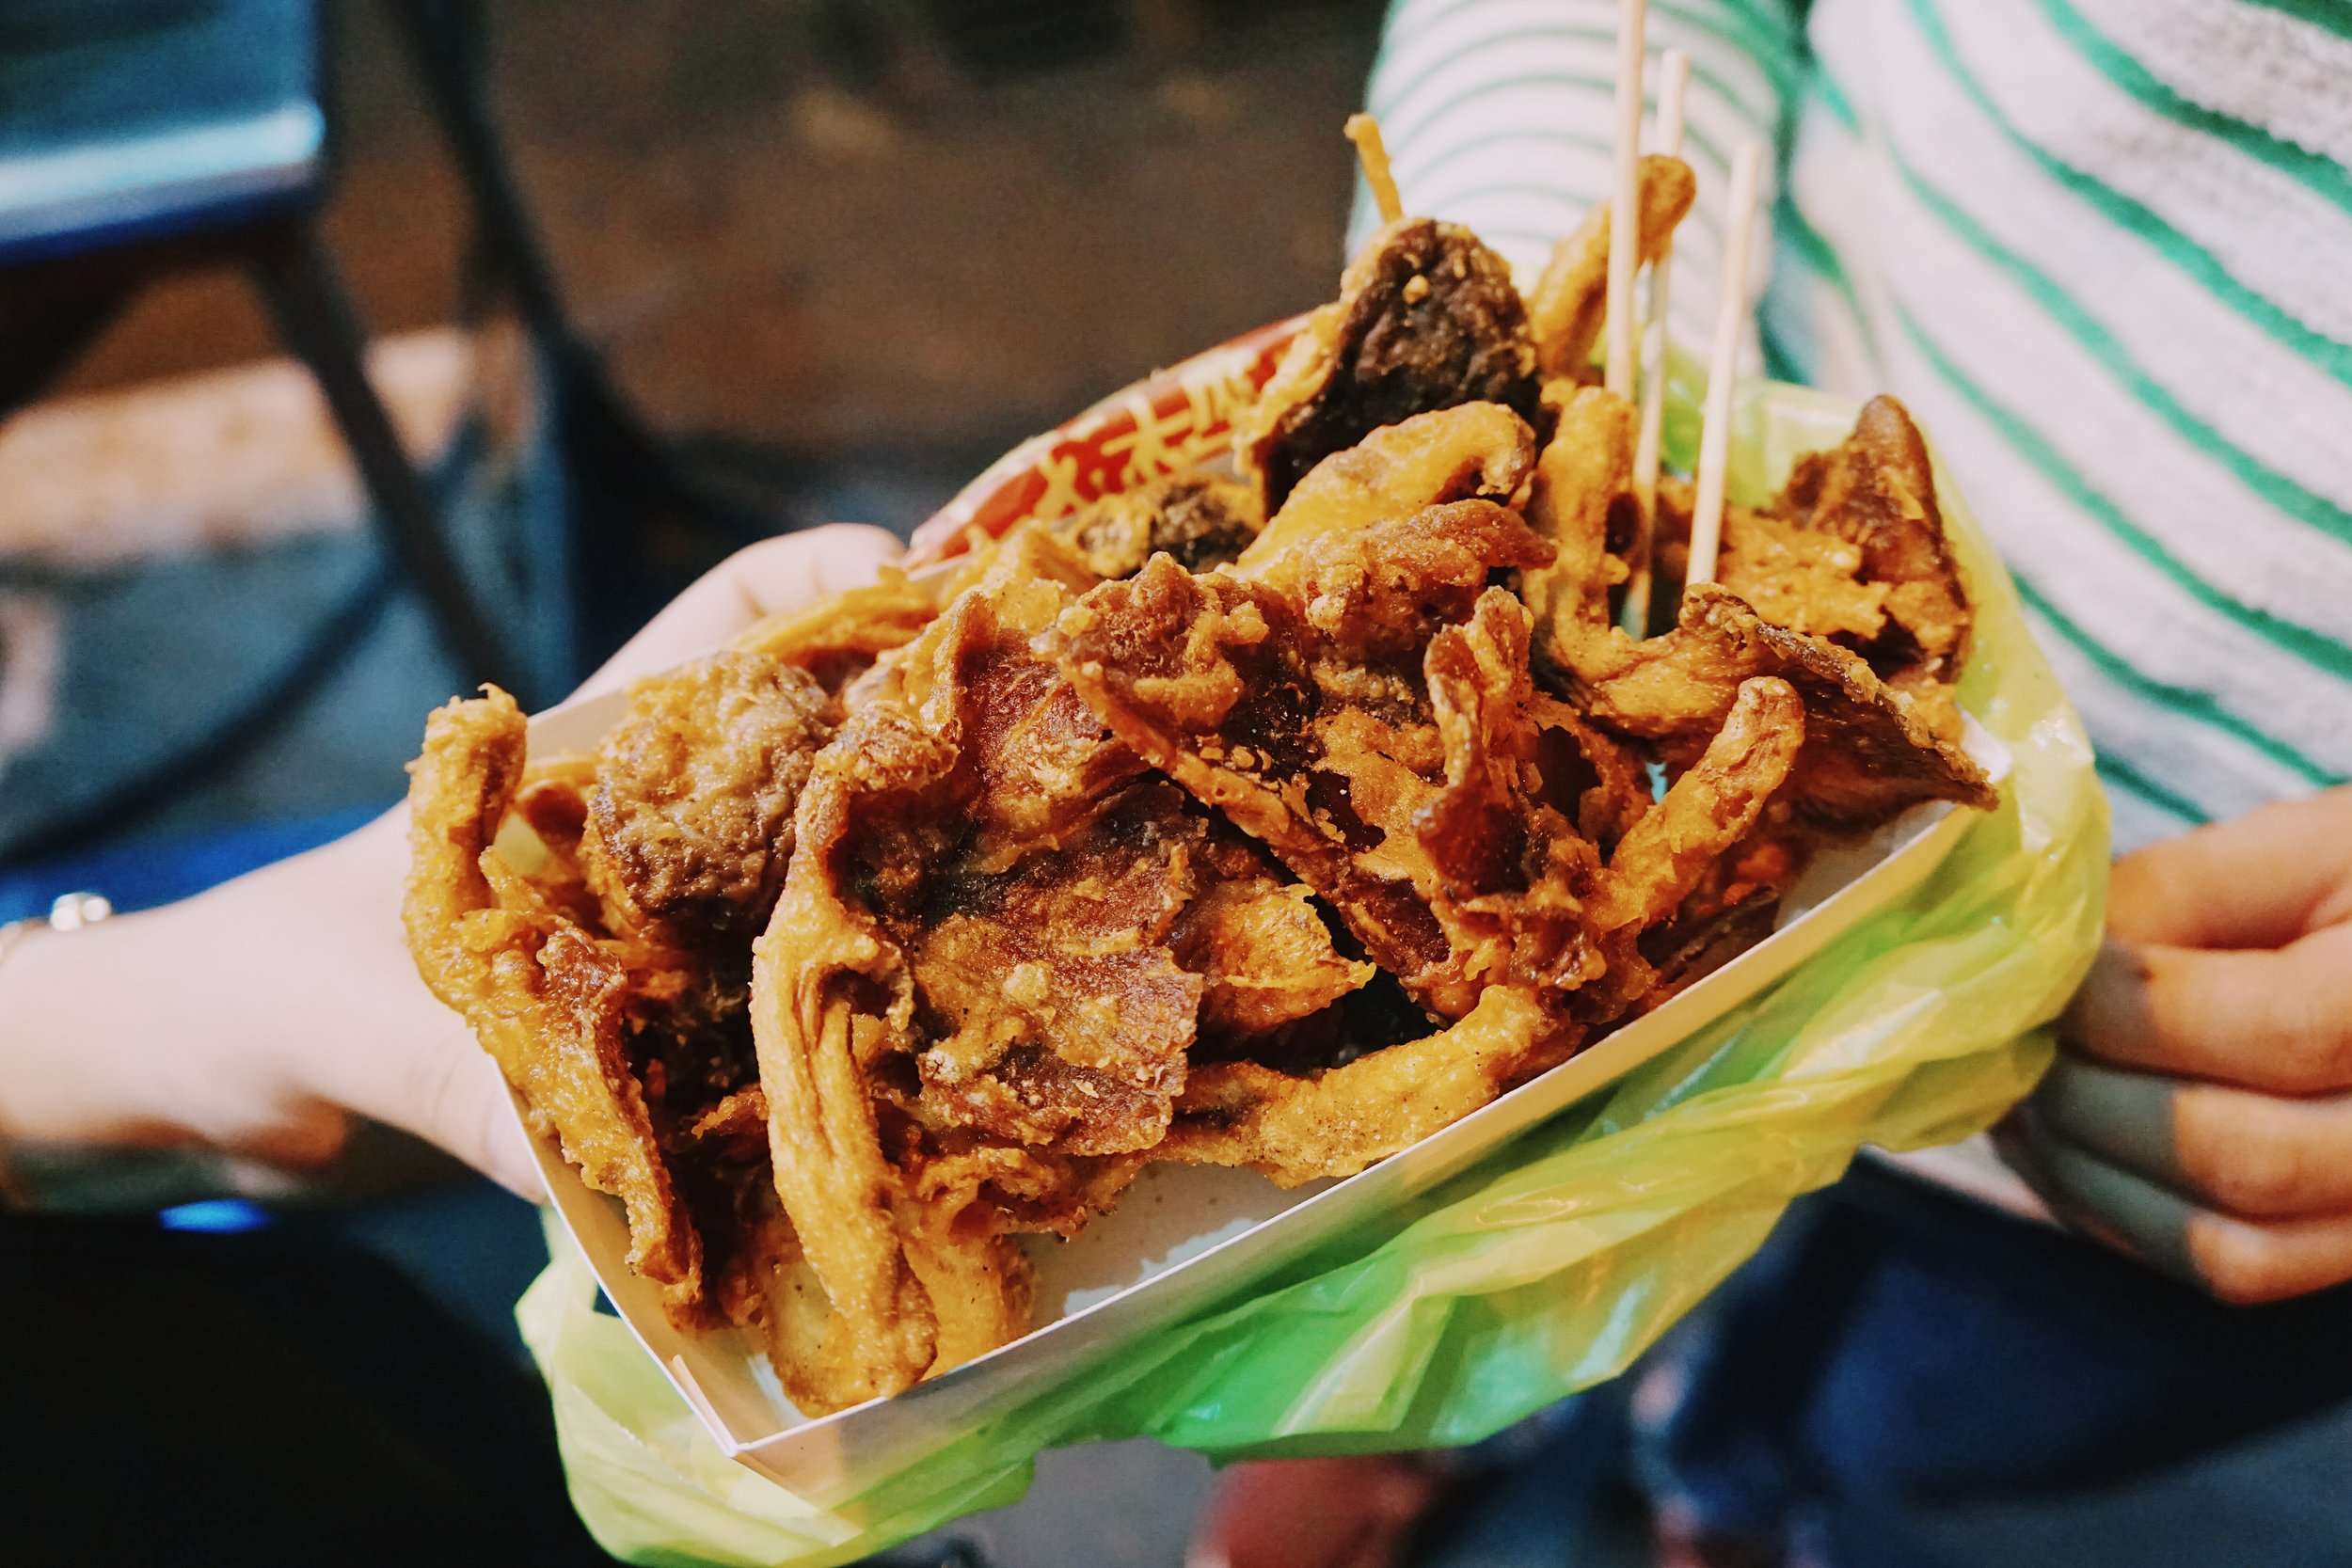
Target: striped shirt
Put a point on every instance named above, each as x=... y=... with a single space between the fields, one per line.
x=2102 y=248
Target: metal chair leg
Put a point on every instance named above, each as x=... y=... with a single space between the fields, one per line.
x=298 y=282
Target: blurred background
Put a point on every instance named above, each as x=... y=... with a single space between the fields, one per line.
x=594 y=294
x=634 y=284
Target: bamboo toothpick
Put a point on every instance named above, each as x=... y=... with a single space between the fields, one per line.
x=1731 y=309
x=1372 y=153
x=1625 y=203
x=1674 y=77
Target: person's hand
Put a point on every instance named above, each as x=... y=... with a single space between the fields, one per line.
x=258 y=1017
x=2200 y=1115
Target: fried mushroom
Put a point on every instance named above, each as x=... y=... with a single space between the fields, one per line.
x=1427 y=318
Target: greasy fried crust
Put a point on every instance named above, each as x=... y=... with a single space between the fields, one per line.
x=1709 y=809
x=1270 y=851
x=1061 y=1012
x=1476 y=451
x=1571 y=298
x=1853 y=549
x=1374 y=727
x=1511 y=862
x=1876 y=490
x=1792 y=576
x=544 y=998
x=1583 y=480
x=1869 y=751
x=690 y=821
x=1202 y=522
x=1427 y=318
x=1334 y=1124
x=1258 y=944
x=1873 y=749
x=838 y=637
x=878 y=1334
x=969 y=971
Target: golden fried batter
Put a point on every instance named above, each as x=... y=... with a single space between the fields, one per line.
x=971 y=954
x=1571 y=299
x=1794 y=578
x=1333 y=1124
x=1061 y=1011
x=1709 y=810
x=1308 y=717
x=1258 y=944
x=690 y=822
x=547 y=1001
x=1476 y=451
x=1712 y=808
x=1296 y=1127
x=1219 y=821
x=1873 y=749
x=1584 y=480
x=1805 y=581
x=1427 y=318
x=1202 y=522
x=838 y=639
x=1868 y=751
x=1876 y=490
x=1853 y=549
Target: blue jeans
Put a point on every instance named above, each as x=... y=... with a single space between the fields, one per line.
x=1895 y=1348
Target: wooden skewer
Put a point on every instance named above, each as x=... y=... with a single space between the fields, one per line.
x=1731 y=309
x=1625 y=203
x=1370 y=152
x=1674 y=77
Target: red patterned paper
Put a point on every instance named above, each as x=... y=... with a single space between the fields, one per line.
x=1171 y=420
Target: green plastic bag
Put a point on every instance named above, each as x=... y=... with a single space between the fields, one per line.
x=1554 y=1262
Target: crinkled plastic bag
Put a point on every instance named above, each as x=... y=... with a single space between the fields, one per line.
x=1554 y=1262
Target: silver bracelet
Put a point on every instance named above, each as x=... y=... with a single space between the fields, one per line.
x=71 y=911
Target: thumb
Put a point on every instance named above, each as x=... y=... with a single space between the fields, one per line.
x=778 y=574
x=381 y=1044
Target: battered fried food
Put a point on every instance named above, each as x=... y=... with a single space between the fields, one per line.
x=1571 y=298
x=1873 y=749
x=1869 y=753
x=1202 y=522
x=1259 y=942
x=1711 y=807
x=1583 y=483
x=1427 y=318
x=840 y=638
x=547 y=1001
x=1307 y=719
x=689 y=825
x=1792 y=576
x=1876 y=490
x=1276 y=823
x=1475 y=451
x=971 y=960
x=1853 y=549
x=1296 y=1129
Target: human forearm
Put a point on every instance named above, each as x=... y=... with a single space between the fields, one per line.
x=244 y=1019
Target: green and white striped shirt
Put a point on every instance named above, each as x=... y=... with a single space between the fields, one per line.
x=2102 y=248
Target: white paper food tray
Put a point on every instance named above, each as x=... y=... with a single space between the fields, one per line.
x=1182 y=1237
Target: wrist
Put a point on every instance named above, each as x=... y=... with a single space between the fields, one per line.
x=57 y=1083
x=167 y=1027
